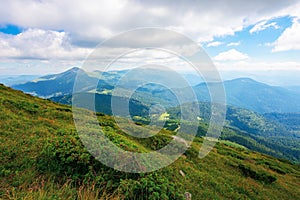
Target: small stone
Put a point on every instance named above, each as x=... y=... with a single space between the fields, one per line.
x=182 y=173
x=188 y=196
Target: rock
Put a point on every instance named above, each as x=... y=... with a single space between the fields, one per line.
x=182 y=173
x=188 y=196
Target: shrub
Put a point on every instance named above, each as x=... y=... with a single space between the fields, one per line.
x=153 y=186
x=257 y=175
x=64 y=155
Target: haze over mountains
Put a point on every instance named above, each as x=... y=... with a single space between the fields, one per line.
x=256 y=96
x=9 y=80
x=242 y=92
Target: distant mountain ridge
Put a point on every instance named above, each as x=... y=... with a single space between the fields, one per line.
x=250 y=94
x=59 y=84
x=10 y=80
x=242 y=92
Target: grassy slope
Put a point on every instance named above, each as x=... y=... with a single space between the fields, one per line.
x=42 y=158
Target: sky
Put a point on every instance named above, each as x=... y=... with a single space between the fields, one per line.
x=259 y=39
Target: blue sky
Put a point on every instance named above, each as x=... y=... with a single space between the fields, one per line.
x=10 y=29
x=257 y=45
x=250 y=37
x=253 y=44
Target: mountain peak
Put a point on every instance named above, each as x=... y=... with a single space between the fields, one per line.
x=244 y=79
x=70 y=72
x=74 y=69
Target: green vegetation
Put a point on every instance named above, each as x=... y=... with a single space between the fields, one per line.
x=290 y=120
x=42 y=158
x=251 y=130
x=276 y=134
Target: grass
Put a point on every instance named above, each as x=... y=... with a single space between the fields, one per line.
x=42 y=158
x=232 y=144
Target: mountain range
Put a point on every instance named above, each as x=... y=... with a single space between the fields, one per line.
x=254 y=117
x=256 y=96
x=10 y=80
x=242 y=92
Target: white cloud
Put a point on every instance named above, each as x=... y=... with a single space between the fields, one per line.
x=91 y=21
x=86 y=23
x=214 y=44
x=292 y=10
x=234 y=44
x=267 y=44
x=231 y=54
x=40 y=44
x=289 y=39
x=262 y=26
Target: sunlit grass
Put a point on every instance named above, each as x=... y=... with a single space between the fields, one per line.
x=42 y=158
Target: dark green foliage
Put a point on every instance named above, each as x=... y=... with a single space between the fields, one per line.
x=231 y=153
x=31 y=108
x=274 y=166
x=259 y=175
x=156 y=142
x=103 y=103
x=171 y=125
x=154 y=187
x=64 y=109
x=64 y=155
x=249 y=129
x=290 y=120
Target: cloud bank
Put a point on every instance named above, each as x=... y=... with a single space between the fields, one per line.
x=70 y=29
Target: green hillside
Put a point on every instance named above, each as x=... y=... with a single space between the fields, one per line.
x=42 y=158
x=290 y=120
x=250 y=129
x=103 y=103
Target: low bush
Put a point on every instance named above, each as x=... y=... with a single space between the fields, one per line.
x=257 y=175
